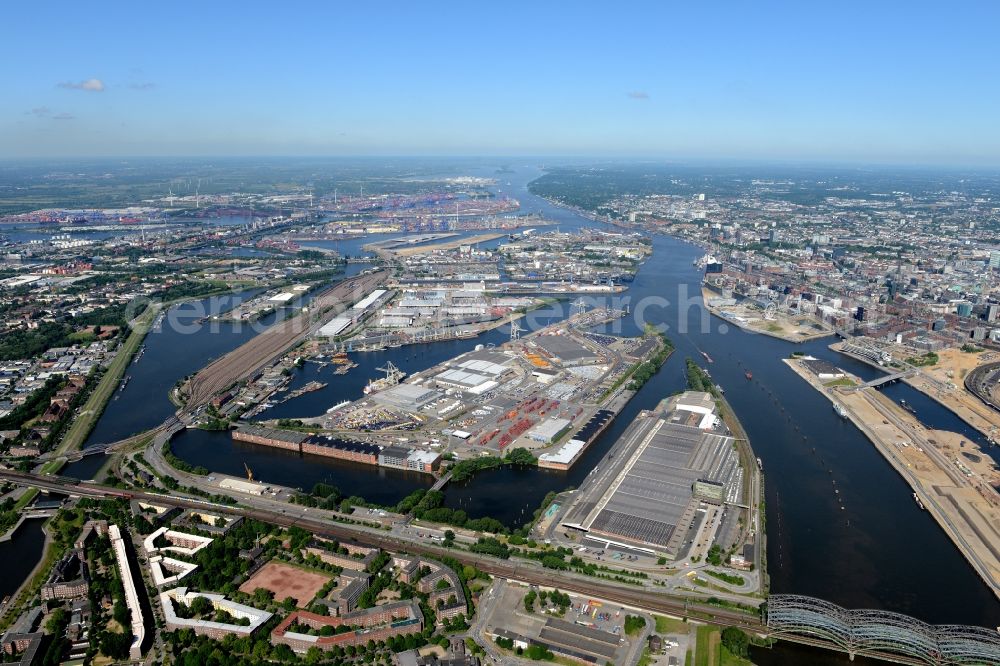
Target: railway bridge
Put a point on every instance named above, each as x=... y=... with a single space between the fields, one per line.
x=806 y=620
x=878 y=634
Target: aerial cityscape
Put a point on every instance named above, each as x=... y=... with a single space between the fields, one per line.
x=324 y=348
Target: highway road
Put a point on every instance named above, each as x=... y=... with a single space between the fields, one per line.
x=525 y=571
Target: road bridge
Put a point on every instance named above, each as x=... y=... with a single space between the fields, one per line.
x=887 y=379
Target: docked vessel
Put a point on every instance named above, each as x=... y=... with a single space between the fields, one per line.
x=919 y=503
x=393 y=376
x=841 y=412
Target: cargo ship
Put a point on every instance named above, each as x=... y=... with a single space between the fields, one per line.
x=393 y=376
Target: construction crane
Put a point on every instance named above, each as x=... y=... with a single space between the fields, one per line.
x=249 y=471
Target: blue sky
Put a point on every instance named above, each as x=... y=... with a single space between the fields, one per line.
x=906 y=82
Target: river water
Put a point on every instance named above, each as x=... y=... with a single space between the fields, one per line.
x=20 y=554
x=878 y=551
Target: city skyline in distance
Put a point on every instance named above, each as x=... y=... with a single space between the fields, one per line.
x=896 y=83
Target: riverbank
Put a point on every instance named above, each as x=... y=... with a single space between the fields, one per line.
x=782 y=327
x=951 y=478
x=31 y=582
x=98 y=400
x=936 y=384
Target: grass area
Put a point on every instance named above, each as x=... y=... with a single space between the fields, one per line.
x=670 y=625
x=930 y=358
x=727 y=658
x=25 y=499
x=843 y=381
x=774 y=328
x=705 y=648
x=732 y=579
x=92 y=409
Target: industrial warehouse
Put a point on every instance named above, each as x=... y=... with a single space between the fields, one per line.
x=400 y=457
x=552 y=392
x=676 y=461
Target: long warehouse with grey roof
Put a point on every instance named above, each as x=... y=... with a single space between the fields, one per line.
x=651 y=498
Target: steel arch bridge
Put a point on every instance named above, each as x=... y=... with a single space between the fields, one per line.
x=880 y=634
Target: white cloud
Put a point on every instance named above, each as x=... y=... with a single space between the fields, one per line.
x=63 y=116
x=40 y=111
x=90 y=85
x=638 y=94
x=147 y=85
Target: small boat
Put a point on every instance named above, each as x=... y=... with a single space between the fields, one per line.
x=707 y=357
x=749 y=375
x=841 y=412
x=760 y=464
x=907 y=406
x=919 y=503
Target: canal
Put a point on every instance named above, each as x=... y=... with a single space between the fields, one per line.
x=871 y=548
x=20 y=554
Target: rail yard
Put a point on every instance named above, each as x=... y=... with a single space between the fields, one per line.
x=249 y=358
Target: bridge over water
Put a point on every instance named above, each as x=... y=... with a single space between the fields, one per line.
x=879 y=634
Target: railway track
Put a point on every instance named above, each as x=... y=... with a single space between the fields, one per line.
x=518 y=571
x=249 y=358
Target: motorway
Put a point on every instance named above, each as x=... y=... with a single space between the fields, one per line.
x=247 y=359
x=526 y=571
